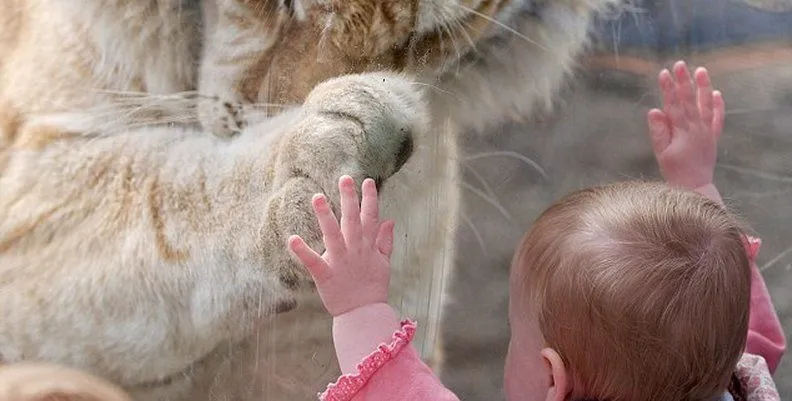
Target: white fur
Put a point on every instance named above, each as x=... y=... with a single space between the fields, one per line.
x=134 y=318
x=508 y=77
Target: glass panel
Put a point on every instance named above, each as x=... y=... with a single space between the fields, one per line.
x=155 y=155
x=597 y=134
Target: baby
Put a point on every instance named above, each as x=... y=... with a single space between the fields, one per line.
x=633 y=291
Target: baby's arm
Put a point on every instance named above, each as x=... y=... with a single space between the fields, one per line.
x=359 y=332
x=380 y=364
x=685 y=133
x=352 y=277
x=765 y=334
x=685 y=137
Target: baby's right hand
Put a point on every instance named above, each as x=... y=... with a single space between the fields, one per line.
x=685 y=133
x=354 y=270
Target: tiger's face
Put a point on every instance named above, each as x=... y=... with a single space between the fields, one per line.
x=309 y=41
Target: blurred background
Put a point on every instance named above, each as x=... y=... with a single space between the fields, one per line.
x=597 y=134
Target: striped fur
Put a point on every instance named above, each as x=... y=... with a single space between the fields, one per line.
x=154 y=158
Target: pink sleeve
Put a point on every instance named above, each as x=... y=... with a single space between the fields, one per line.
x=765 y=335
x=393 y=372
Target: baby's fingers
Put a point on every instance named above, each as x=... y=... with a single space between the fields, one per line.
x=685 y=93
x=308 y=257
x=350 y=210
x=704 y=96
x=671 y=104
x=659 y=130
x=718 y=113
x=667 y=89
x=331 y=232
x=369 y=209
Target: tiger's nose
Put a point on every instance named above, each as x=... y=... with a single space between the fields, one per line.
x=402 y=155
x=405 y=151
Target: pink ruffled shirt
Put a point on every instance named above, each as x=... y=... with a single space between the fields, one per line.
x=765 y=334
x=394 y=371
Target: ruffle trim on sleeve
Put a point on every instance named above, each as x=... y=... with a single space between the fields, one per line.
x=347 y=386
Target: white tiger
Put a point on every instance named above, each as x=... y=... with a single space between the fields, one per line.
x=137 y=247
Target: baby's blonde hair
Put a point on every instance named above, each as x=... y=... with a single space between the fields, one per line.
x=642 y=289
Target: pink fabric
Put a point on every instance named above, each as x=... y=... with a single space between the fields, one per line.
x=360 y=331
x=757 y=381
x=765 y=335
x=393 y=372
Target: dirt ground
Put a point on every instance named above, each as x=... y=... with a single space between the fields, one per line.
x=597 y=134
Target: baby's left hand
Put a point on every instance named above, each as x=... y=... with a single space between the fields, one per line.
x=354 y=270
x=685 y=133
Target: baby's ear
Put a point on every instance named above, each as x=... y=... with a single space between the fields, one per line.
x=47 y=382
x=560 y=382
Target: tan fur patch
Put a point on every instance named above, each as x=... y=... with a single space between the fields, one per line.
x=38 y=137
x=23 y=230
x=364 y=29
x=356 y=36
x=10 y=121
x=166 y=250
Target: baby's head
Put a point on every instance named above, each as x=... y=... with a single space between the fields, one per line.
x=632 y=291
